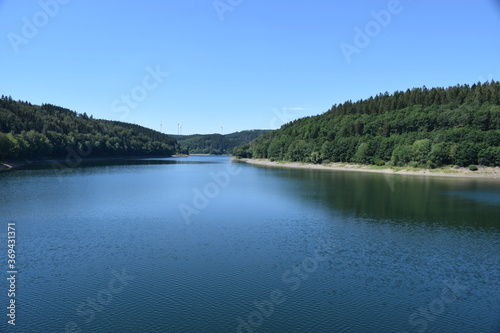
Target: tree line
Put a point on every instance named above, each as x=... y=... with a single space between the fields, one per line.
x=217 y=144
x=421 y=127
x=47 y=131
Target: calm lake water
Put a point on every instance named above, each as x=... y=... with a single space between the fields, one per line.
x=202 y=244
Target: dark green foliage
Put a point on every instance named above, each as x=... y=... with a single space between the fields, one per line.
x=472 y=167
x=242 y=151
x=361 y=155
x=420 y=151
x=49 y=131
x=217 y=144
x=440 y=154
x=489 y=156
x=420 y=127
x=402 y=155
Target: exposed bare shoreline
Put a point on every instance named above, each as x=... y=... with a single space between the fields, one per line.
x=483 y=172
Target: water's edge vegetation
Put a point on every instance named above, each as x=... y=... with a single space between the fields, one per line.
x=421 y=127
x=217 y=144
x=418 y=128
x=51 y=132
x=32 y=134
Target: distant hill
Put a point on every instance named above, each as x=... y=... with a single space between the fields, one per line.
x=217 y=144
x=30 y=131
x=459 y=125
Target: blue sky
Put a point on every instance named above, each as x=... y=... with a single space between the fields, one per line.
x=242 y=64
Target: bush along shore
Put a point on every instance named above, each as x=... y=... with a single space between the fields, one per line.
x=50 y=132
x=417 y=128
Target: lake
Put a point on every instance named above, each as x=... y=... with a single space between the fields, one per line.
x=202 y=244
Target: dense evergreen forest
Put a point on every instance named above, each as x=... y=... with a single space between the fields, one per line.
x=48 y=131
x=421 y=127
x=217 y=144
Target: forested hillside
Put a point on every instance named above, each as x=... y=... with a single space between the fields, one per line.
x=459 y=125
x=31 y=131
x=217 y=144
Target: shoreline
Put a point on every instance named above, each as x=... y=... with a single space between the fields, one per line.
x=209 y=155
x=461 y=172
x=7 y=166
x=10 y=166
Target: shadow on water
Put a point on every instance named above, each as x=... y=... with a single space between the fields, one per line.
x=100 y=162
x=449 y=201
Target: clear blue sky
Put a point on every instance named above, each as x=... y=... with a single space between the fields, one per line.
x=241 y=65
